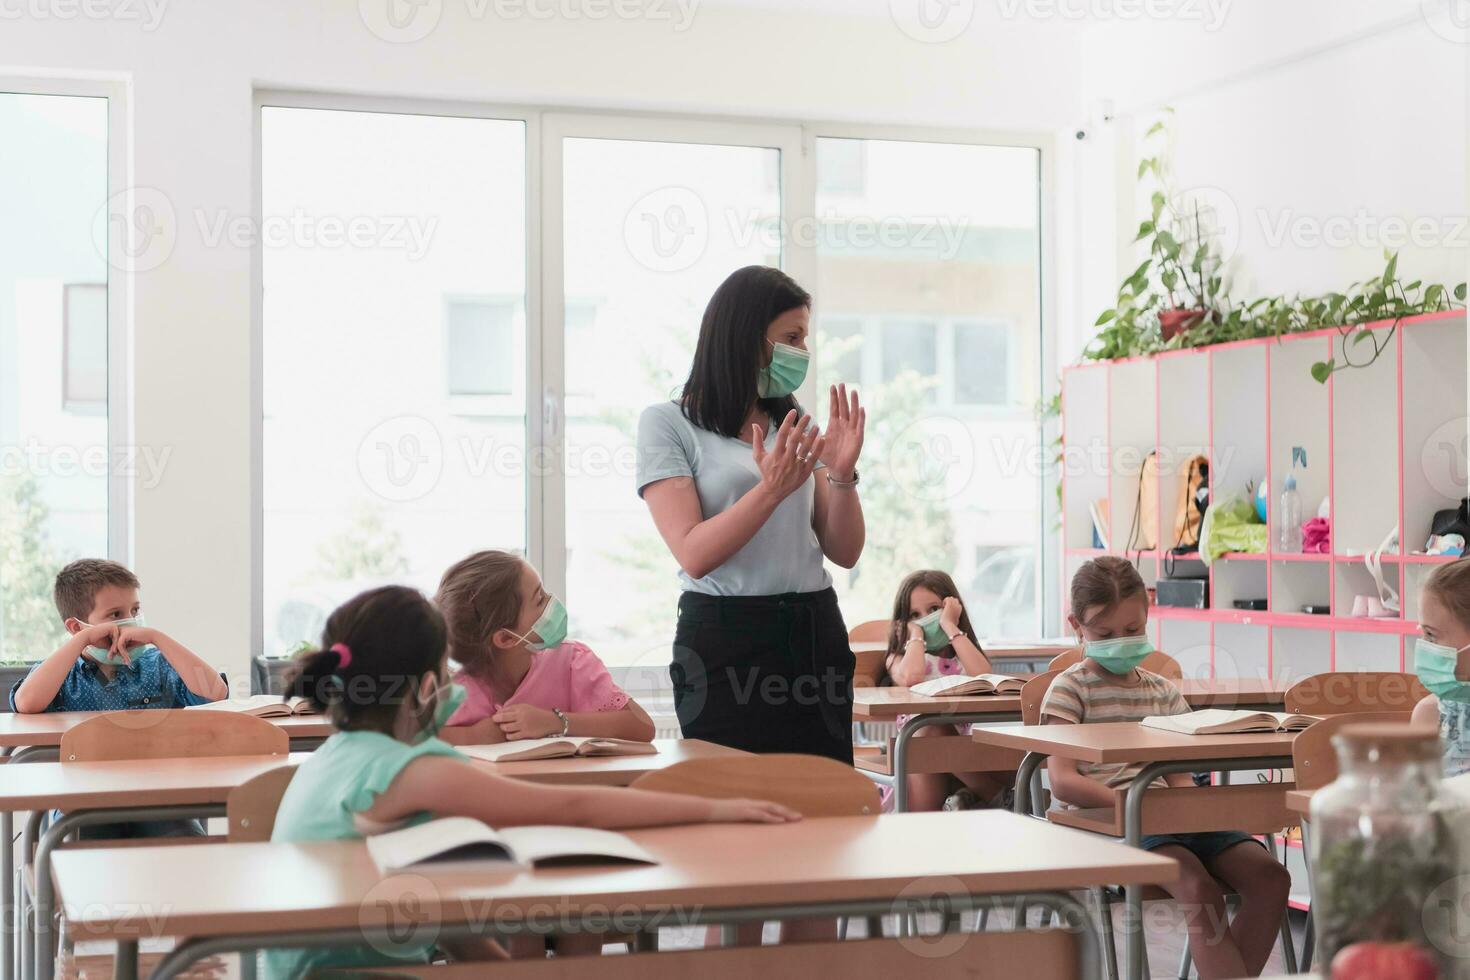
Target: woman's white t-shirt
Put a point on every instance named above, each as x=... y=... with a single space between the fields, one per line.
x=783 y=556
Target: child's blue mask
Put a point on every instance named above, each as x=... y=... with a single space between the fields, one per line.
x=105 y=655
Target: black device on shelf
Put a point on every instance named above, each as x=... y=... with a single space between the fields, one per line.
x=1183 y=593
x=1314 y=609
x=1254 y=605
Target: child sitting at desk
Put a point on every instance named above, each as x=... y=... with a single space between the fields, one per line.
x=114 y=662
x=931 y=636
x=1443 y=664
x=382 y=677
x=1110 y=614
x=523 y=678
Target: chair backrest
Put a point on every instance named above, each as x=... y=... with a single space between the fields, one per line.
x=1158 y=662
x=1051 y=953
x=812 y=785
x=1314 y=760
x=174 y=733
x=1353 y=691
x=873 y=631
x=251 y=807
x=1033 y=694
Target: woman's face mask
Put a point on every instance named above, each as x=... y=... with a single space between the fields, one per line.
x=785 y=373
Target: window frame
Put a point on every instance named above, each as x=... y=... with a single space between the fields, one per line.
x=120 y=188
x=545 y=363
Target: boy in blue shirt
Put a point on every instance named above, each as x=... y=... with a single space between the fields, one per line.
x=112 y=661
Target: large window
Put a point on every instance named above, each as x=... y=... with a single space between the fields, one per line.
x=394 y=348
x=928 y=296
x=54 y=441
x=414 y=411
x=649 y=230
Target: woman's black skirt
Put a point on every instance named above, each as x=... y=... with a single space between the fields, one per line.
x=765 y=673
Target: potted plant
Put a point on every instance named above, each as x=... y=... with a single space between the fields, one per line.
x=268 y=674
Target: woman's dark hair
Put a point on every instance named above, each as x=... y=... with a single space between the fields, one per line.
x=941 y=585
x=731 y=349
x=394 y=636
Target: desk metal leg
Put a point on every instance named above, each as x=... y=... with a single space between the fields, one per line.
x=126 y=965
x=1030 y=765
x=1135 y=945
x=910 y=727
x=1308 y=939
x=45 y=900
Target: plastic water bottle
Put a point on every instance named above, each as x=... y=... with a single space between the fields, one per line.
x=1290 y=518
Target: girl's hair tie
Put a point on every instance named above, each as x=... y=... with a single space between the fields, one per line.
x=344 y=655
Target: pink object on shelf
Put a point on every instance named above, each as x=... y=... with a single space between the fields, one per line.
x=1316 y=536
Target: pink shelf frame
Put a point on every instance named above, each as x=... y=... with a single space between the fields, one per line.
x=1333 y=623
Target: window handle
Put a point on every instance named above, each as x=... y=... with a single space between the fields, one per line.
x=550 y=416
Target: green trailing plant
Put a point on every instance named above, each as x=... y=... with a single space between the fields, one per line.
x=1184 y=272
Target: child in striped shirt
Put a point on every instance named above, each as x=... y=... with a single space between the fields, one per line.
x=1110 y=615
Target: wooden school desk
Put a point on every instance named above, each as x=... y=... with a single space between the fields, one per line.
x=954 y=753
x=169 y=789
x=959 y=754
x=240 y=897
x=35 y=738
x=1160 y=753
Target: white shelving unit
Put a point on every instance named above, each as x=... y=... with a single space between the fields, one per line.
x=1386 y=448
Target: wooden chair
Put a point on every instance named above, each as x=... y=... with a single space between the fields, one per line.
x=175 y=733
x=1033 y=694
x=1354 y=691
x=1158 y=662
x=1051 y=953
x=812 y=785
x=251 y=807
x=869 y=670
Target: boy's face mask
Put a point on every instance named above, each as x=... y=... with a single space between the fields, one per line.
x=105 y=655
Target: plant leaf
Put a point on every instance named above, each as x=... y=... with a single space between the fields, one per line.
x=1322 y=370
x=1106 y=316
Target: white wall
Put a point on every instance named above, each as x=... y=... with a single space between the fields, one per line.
x=1330 y=129
x=191 y=72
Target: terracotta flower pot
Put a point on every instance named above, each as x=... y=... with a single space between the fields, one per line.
x=1172 y=323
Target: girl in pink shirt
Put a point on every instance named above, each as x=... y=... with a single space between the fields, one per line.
x=523 y=678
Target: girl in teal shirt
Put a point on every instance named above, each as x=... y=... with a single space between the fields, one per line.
x=381 y=677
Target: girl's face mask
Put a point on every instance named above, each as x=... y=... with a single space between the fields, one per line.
x=934 y=638
x=1435 y=664
x=446 y=699
x=550 y=627
x=1120 y=654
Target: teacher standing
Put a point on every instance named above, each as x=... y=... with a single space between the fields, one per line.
x=750 y=496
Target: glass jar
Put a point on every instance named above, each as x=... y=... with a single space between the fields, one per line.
x=1384 y=865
